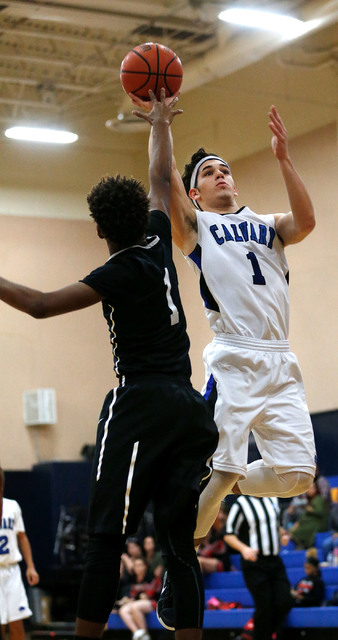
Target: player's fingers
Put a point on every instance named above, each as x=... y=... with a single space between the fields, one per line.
x=152 y=96
x=177 y=112
x=172 y=102
x=135 y=99
x=275 y=117
x=140 y=114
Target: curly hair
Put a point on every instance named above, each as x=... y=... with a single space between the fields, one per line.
x=120 y=208
x=188 y=169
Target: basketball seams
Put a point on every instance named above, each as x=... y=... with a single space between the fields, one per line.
x=158 y=68
x=167 y=75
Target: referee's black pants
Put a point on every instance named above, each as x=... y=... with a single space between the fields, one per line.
x=269 y=586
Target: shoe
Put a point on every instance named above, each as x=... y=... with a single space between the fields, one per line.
x=141 y=634
x=165 y=605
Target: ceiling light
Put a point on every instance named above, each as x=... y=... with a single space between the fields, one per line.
x=36 y=134
x=287 y=26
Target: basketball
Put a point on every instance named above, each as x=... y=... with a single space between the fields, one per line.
x=151 y=66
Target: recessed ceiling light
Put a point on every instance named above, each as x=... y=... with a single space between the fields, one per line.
x=287 y=26
x=36 y=134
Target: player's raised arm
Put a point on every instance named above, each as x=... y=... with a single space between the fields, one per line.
x=45 y=305
x=183 y=214
x=296 y=225
x=160 y=118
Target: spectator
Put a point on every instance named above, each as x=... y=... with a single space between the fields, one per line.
x=14 y=546
x=297 y=505
x=312 y=521
x=294 y=511
x=213 y=553
x=252 y=528
x=330 y=543
x=153 y=556
x=133 y=551
x=309 y=591
x=143 y=598
x=323 y=486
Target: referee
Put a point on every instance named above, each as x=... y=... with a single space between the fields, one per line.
x=253 y=529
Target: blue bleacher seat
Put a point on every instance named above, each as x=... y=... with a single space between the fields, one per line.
x=320 y=537
x=229 y=586
x=234 y=579
x=333 y=481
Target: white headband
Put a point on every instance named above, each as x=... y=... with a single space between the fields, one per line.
x=193 y=179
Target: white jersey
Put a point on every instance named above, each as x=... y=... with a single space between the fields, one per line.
x=11 y=525
x=243 y=274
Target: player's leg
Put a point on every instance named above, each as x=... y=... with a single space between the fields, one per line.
x=218 y=487
x=186 y=582
x=285 y=436
x=13 y=597
x=99 y=584
x=111 y=466
x=263 y=481
x=229 y=391
x=181 y=604
x=16 y=630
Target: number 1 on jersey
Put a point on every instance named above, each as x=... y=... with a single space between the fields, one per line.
x=174 y=317
x=257 y=277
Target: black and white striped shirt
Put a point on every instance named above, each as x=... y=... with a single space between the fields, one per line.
x=255 y=521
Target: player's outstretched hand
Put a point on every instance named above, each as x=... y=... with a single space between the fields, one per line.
x=162 y=110
x=147 y=105
x=279 y=141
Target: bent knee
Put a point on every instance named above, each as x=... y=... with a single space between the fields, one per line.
x=293 y=483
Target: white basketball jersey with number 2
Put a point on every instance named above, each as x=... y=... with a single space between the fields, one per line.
x=11 y=525
x=243 y=274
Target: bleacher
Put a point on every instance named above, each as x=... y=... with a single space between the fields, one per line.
x=229 y=587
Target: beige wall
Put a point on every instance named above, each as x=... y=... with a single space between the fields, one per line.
x=72 y=353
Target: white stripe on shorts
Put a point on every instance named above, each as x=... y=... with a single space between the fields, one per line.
x=129 y=483
x=105 y=433
x=251 y=343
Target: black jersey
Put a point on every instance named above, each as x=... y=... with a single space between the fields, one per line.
x=142 y=305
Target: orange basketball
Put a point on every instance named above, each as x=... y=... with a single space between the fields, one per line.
x=151 y=66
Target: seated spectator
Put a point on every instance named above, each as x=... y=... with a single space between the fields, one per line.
x=153 y=556
x=144 y=593
x=133 y=550
x=323 y=485
x=294 y=511
x=330 y=543
x=297 y=505
x=213 y=553
x=309 y=591
x=313 y=520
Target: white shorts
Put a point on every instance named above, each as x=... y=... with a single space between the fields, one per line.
x=259 y=388
x=13 y=598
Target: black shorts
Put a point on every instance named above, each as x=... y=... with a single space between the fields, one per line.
x=154 y=442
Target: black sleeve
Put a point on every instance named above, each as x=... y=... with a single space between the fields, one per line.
x=108 y=279
x=159 y=225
